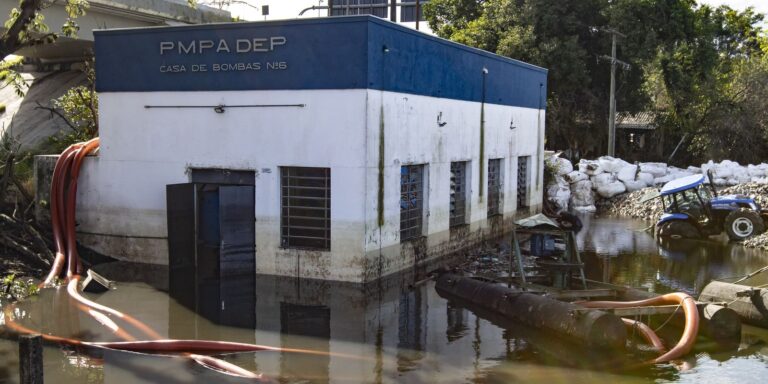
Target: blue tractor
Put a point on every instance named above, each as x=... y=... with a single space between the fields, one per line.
x=692 y=209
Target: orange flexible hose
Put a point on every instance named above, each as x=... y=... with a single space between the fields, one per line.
x=206 y=361
x=63 y=207
x=71 y=206
x=72 y=289
x=691 y=329
x=56 y=205
x=648 y=334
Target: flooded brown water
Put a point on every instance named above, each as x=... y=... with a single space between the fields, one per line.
x=391 y=333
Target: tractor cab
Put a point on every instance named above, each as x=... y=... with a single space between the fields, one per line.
x=692 y=209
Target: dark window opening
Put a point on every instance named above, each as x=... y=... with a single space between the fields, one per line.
x=353 y=7
x=522 y=181
x=408 y=12
x=305 y=217
x=494 y=187
x=411 y=201
x=458 y=208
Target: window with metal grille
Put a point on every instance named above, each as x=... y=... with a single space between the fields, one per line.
x=522 y=181
x=494 y=187
x=411 y=201
x=305 y=217
x=408 y=12
x=458 y=208
x=353 y=7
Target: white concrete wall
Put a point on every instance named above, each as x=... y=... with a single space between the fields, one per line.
x=121 y=200
x=121 y=206
x=413 y=136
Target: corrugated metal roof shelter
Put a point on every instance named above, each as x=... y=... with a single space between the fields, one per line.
x=645 y=120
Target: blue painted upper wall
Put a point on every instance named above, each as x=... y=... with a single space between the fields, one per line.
x=355 y=52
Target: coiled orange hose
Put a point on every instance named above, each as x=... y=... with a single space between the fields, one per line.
x=63 y=207
x=691 y=329
x=648 y=334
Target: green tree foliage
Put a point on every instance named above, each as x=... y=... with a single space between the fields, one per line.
x=78 y=107
x=26 y=26
x=684 y=60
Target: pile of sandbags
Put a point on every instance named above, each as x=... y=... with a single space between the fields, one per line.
x=608 y=177
x=558 y=190
x=731 y=173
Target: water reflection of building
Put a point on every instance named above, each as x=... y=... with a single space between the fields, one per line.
x=398 y=333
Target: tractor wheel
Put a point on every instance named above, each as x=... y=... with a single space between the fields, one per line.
x=678 y=229
x=743 y=223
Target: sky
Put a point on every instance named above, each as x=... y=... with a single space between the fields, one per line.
x=288 y=9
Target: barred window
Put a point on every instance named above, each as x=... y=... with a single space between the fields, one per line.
x=522 y=181
x=458 y=208
x=411 y=201
x=408 y=12
x=353 y=7
x=494 y=187
x=305 y=217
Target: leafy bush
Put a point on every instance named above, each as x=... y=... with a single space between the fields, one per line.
x=78 y=107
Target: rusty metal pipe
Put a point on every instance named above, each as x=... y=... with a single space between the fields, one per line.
x=594 y=328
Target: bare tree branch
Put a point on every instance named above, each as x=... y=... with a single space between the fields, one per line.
x=56 y=112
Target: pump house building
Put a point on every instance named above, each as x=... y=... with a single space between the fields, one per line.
x=345 y=148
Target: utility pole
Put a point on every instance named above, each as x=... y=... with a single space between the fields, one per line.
x=418 y=7
x=612 y=102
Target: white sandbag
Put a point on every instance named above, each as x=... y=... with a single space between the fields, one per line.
x=721 y=182
x=731 y=181
x=560 y=165
x=633 y=185
x=612 y=189
x=575 y=177
x=646 y=178
x=611 y=164
x=559 y=194
x=587 y=208
x=680 y=174
x=584 y=185
x=660 y=181
x=564 y=166
x=760 y=180
x=628 y=173
x=602 y=179
x=590 y=167
x=673 y=169
x=693 y=170
x=741 y=175
x=725 y=169
x=655 y=169
x=755 y=171
x=581 y=193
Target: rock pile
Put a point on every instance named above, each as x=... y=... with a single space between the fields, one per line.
x=628 y=205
